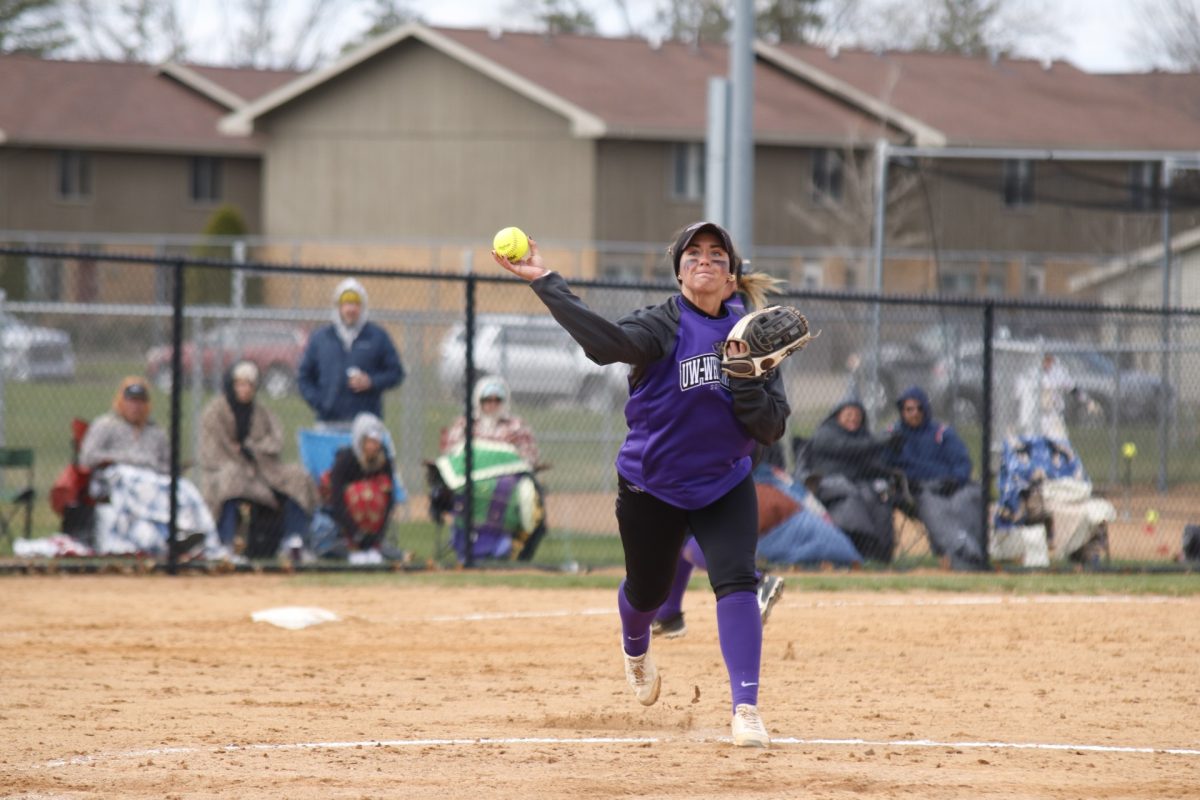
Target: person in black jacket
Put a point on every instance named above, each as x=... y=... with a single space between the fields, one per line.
x=844 y=465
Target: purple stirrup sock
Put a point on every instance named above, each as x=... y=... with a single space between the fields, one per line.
x=693 y=554
x=674 y=602
x=635 y=625
x=739 y=627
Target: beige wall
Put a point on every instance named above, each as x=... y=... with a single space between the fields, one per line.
x=131 y=193
x=413 y=144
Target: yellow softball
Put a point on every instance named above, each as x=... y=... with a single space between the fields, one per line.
x=512 y=243
x=1129 y=450
x=1152 y=516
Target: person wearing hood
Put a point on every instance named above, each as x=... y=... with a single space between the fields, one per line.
x=493 y=421
x=361 y=494
x=846 y=468
x=938 y=468
x=240 y=446
x=348 y=364
x=498 y=534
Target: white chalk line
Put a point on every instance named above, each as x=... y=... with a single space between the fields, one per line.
x=607 y=740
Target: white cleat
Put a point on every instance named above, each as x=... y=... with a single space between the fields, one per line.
x=643 y=677
x=748 y=728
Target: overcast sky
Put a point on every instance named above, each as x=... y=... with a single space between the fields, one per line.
x=1096 y=33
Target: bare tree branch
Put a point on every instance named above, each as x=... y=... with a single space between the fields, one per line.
x=1168 y=34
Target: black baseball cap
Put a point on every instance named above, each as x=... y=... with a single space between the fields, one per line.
x=691 y=232
x=136 y=391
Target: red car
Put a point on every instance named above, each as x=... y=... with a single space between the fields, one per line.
x=276 y=348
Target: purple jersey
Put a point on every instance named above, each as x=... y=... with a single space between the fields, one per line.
x=685 y=445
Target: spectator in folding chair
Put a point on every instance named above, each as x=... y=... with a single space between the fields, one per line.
x=844 y=467
x=938 y=468
x=240 y=446
x=1046 y=508
x=493 y=422
x=361 y=496
x=130 y=461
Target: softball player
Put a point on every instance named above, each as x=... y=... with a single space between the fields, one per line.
x=685 y=463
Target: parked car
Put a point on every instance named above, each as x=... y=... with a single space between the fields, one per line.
x=537 y=359
x=276 y=348
x=911 y=362
x=31 y=352
x=956 y=389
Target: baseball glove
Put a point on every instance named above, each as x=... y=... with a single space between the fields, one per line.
x=771 y=334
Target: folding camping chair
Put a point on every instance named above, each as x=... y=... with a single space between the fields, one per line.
x=69 y=496
x=15 y=498
x=318 y=447
x=445 y=505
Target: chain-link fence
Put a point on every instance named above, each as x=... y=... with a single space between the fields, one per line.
x=1129 y=406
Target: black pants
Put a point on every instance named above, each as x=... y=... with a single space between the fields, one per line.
x=653 y=531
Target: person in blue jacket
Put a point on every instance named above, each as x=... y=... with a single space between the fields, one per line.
x=348 y=364
x=685 y=463
x=938 y=468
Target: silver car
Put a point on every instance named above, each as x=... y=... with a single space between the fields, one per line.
x=537 y=359
x=31 y=353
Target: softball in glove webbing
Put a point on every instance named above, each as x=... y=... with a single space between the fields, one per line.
x=771 y=334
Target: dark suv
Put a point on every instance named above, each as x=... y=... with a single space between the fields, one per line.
x=911 y=361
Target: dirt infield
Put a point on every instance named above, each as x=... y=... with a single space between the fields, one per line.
x=153 y=687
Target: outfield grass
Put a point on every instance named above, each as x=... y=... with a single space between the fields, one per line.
x=1179 y=584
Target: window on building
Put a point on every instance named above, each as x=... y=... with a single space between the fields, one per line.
x=956 y=283
x=74 y=175
x=205 y=182
x=1035 y=280
x=813 y=276
x=687 y=172
x=995 y=280
x=44 y=279
x=1018 y=183
x=827 y=174
x=1144 y=188
x=620 y=271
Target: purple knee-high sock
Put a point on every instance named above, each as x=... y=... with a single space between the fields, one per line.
x=674 y=601
x=693 y=554
x=739 y=627
x=635 y=625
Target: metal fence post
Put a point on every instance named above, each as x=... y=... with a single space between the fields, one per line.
x=988 y=415
x=3 y=377
x=469 y=438
x=176 y=389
